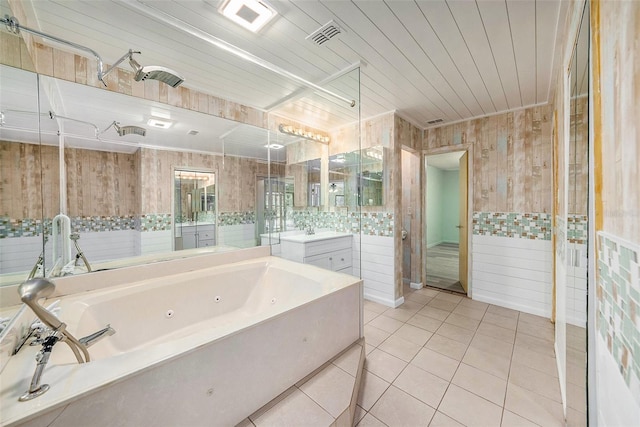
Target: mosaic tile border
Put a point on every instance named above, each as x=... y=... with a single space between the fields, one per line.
x=561 y=240
x=536 y=226
x=235 y=218
x=618 y=305
x=28 y=227
x=577 y=229
x=154 y=222
x=371 y=223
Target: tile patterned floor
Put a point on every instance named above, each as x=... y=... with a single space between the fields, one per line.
x=442 y=359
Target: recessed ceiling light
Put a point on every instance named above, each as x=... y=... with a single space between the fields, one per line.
x=274 y=146
x=159 y=123
x=251 y=14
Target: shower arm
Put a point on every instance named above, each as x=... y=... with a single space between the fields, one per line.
x=14 y=27
x=53 y=115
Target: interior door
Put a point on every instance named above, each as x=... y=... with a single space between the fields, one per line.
x=462 y=227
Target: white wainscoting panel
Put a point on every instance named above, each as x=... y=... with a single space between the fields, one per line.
x=19 y=254
x=373 y=260
x=239 y=235
x=577 y=285
x=513 y=273
x=154 y=242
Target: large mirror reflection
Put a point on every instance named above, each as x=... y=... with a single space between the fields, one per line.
x=103 y=184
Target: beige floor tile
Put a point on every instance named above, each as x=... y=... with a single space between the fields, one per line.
x=294 y=410
x=430 y=292
x=413 y=334
x=371 y=421
x=369 y=315
x=481 y=383
x=492 y=345
x=498 y=332
x=503 y=311
x=469 y=409
x=441 y=420
x=424 y=322
x=443 y=345
x=436 y=363
x=419 y=298
x=386 y=324
x=467 y=311
x=539 y=320
x=401 y=315
x=533 y=407
x=434 y=313
x=576 y=357
x=503 y=321
x=331 y=388
x=462 y=321
x=576 y=397
x=576 y=418
x=400 y=348
x=349 y=360
x=384 y=365
x=442 y=304
x=530 y=379
x=360 y=413
x=509 y=419
x=537 y=330
x=374 y=336
x=495 y=365
x=245 y=423
x=375 y=307
x=422 y=385
x=368 y=348
x=449 y=297
x=371 y=389
x=397 y=408
x=455 y=333
x=476 y=305
x=535 y=344
x=537 y=361
x=576 y=375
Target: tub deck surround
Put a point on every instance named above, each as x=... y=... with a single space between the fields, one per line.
x=185 y=346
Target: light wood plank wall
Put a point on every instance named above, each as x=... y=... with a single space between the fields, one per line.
x=49 y=61
x=617 y=118
x=579 y=157
x=235 y=178
x=25 y=185
x=512 y=158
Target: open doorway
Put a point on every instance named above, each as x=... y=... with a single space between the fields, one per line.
x=446 y=218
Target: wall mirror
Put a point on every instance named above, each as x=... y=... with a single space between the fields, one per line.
x=194 y=209
x=577 y=228
x=117 y=191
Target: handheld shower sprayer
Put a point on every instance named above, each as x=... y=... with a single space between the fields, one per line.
x=30 y=293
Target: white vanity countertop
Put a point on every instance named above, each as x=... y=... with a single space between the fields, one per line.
x=306 y=238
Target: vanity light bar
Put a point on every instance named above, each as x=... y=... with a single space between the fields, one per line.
x=290 y=130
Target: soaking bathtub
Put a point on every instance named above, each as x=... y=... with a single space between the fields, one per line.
x=205 y=347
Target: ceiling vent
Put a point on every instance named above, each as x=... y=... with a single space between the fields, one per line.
x=324 y=33
x=193 y=132
x=436 y=121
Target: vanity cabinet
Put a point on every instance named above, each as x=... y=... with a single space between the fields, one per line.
x=332 y=251
x=198 y=236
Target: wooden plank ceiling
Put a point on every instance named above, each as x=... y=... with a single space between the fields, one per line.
x=428 y=60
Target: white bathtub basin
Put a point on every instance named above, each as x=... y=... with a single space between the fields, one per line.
x=222 y=341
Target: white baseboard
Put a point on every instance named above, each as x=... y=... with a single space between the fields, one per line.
x=383 y=301
x=413 y=285
x=478 y=296
x=398 y=302
x=434 y=244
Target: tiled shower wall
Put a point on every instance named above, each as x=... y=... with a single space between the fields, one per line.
x=372 y=223
x=618 y=305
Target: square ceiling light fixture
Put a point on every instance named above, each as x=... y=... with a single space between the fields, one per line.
x=251 y=14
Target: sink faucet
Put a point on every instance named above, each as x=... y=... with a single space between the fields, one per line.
x=30 y=292
x=310 y=229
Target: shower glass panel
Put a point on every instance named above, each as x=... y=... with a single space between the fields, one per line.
x=577 y=226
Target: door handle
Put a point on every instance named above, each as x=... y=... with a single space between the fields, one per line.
x=459 y=226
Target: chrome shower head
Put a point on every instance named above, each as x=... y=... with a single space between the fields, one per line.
x=154 y=72
x=128 y=130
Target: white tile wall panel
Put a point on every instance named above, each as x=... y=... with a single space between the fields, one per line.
x=513 y=273
x=19 y=254
x=154 y=242
x=376 y=260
